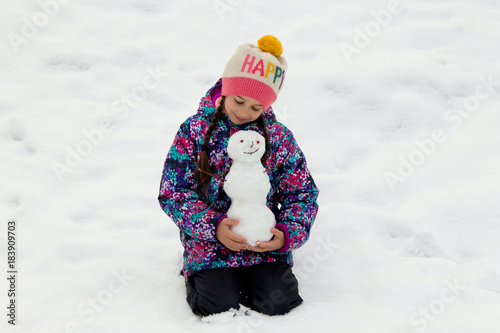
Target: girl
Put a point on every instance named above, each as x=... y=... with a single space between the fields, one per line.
x=221 y=269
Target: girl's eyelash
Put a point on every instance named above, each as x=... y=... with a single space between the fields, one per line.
x=238 y=102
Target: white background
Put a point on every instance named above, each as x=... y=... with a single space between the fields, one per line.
x=388 y=100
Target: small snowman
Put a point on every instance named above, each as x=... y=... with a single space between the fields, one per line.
x=247 y=184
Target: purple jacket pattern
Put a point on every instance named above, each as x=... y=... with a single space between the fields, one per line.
x=292 y=197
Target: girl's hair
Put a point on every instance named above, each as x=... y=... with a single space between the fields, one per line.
x=203 y=170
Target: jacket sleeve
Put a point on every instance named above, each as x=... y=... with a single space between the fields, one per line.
x=178 y=197
x=297 y=194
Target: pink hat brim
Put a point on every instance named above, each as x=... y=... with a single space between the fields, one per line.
x=244 y=86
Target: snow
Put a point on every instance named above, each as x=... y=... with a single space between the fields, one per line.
x=394 y=103
x=247 y=184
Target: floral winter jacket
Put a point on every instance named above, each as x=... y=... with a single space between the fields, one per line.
x=292 y=197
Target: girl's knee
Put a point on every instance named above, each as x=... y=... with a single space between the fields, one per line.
x=277 y=305
x=207 y=296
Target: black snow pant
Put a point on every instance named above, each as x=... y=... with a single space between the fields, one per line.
x=269 y=288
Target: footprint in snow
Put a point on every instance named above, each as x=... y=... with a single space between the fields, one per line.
x=16 y=132
x=421 y=245
x=71 y=64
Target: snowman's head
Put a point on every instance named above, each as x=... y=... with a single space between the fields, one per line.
x=246 y=146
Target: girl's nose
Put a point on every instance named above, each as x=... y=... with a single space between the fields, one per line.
x=246 y=113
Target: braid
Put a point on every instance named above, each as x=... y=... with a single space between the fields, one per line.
x=262 y=125
x=203 y=162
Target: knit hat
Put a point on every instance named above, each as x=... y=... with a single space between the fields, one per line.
x=257 y=72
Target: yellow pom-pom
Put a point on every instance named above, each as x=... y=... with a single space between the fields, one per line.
x=270 y=44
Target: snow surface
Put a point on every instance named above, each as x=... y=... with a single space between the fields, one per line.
x=417 y=253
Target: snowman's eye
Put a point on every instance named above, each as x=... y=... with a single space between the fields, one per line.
x=241 y=141
x=258 y=142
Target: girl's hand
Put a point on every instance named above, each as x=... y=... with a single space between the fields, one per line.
x=275 y=244
x=229 y=238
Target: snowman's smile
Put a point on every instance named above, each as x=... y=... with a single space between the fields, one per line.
x=250 y=153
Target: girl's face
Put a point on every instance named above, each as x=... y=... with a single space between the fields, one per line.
x=242 y=109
